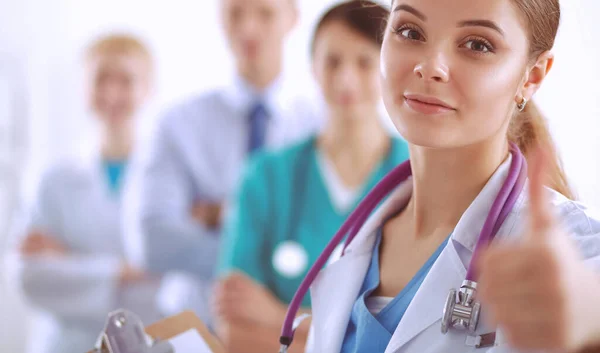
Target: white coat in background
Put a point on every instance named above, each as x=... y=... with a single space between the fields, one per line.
x=336 y=288
x=72 y=295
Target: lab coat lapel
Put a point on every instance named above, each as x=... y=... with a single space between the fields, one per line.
x=449 y=271
x=426 y=308
x=88 y=180
x=336 y=288
x=90 y=162
x=331 y=304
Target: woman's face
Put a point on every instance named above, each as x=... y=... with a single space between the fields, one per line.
x=118 y=86
x=346 y=67
x=452 y=70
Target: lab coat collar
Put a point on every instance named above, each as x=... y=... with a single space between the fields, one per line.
x=88 y=159
x=332 y=307
x=241 y=95
x=470 y=224
x=467 y=230
x=333 y=294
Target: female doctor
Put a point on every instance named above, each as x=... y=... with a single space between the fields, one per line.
x=71 y=265
x=457 y=81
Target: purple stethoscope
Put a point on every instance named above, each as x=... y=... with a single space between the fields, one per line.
x=461 y=309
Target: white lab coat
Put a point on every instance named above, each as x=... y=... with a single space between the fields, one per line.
x=73 y=295
x=337 y=286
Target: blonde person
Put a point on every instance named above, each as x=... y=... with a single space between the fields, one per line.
x=71 y=263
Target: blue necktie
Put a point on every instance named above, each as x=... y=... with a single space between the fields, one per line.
x=257 y=121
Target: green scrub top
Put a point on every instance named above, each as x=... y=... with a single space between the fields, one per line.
x=283 y=218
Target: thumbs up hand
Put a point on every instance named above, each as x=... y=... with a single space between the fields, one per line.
x=539 y=291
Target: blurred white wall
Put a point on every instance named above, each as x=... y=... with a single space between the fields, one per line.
x=13 y=122
x=570 y=96
x=47 y=37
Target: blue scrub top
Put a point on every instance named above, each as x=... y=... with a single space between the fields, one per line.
x=372 y=333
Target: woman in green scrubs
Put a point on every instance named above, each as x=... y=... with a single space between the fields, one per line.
x=289 y=198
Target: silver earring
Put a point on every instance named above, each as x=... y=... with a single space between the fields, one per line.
x=522 y=104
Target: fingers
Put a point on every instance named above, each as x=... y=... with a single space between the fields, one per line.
x=129 y=274
x=534 y=336
x=208 y=213
x=507 y=265
x=223 y=302
x=234 y=287
x=540 y=211
x=230 y=294
x=30 y=245
x=38 y=243
x=520 y=292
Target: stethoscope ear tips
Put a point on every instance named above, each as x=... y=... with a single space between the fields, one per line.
x=461 y=310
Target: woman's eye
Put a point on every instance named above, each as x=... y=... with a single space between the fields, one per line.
x=478 y=46
x=333 y=62
x=364 y=63
x=410 y=33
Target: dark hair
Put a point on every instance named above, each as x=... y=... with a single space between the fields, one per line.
x=365 y=17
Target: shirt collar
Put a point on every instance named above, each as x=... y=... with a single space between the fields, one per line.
x=241 y=95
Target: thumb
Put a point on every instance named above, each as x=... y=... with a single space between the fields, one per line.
x=540 y=215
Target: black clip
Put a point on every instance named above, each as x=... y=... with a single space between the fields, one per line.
x=482 y=341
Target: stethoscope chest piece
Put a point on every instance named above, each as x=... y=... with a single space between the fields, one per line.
x=461 y=311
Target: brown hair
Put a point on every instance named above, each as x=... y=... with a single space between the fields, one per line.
x=365 y=17
x=529 y=129
x=119 y=44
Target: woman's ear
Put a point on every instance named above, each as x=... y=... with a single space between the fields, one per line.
x=536 y=74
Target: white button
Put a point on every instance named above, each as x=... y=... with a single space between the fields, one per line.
x=290 y=259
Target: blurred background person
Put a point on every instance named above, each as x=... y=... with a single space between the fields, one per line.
x=70 y=262
x=291 y=199
x=196 y=155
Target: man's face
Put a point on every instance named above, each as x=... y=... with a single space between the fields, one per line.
x=256 y=29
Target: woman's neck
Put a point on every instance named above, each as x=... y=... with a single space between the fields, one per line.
x=446 y=181
x=117 y=143
x=354 y=146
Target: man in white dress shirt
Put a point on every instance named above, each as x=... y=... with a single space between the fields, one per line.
x=200 y=147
